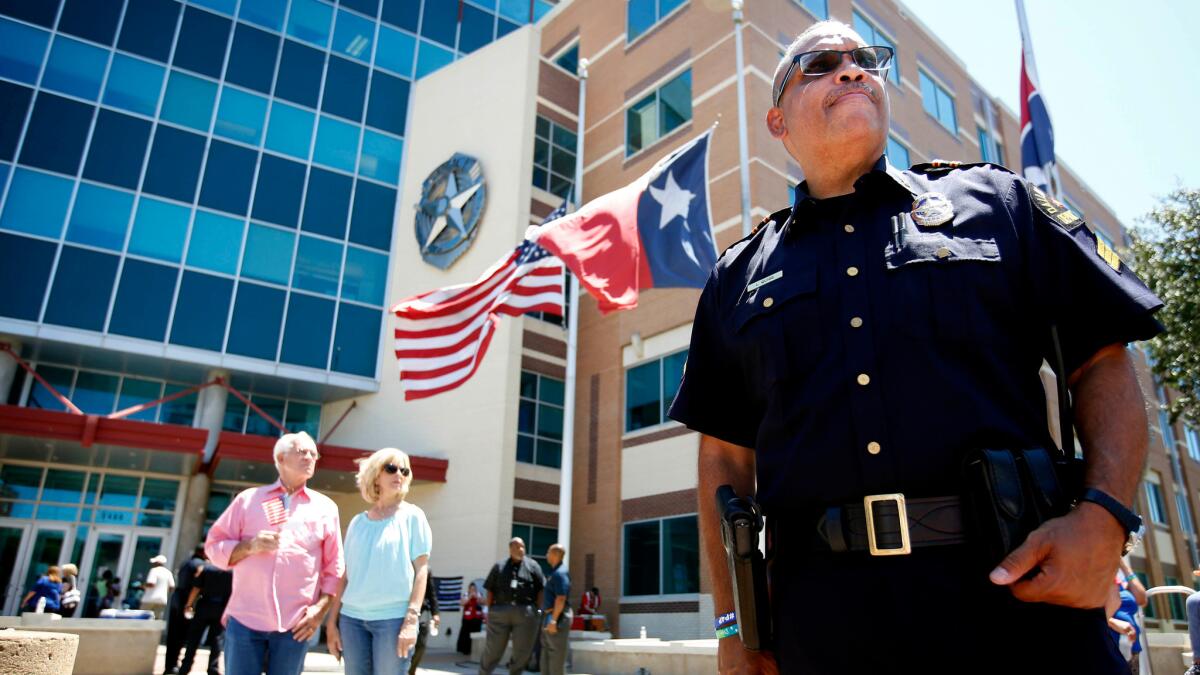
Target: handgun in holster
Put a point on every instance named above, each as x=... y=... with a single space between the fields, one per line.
x=741 y=523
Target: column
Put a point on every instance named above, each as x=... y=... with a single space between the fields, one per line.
x=210 y=415
x=8 y=368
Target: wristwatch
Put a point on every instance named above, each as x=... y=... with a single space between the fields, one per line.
x=1129 y=520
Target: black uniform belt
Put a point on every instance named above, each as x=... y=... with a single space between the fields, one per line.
x=890 y=525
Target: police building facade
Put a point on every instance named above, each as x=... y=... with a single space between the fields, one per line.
x=218 y=200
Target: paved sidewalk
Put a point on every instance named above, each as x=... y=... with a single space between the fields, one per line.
x=434 y=663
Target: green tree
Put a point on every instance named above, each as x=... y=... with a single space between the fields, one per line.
x=1166 y=255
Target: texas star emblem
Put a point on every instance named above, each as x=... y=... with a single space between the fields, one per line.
x=452 y=201
x=932 y=209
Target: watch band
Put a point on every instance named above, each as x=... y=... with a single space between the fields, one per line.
x=1129 y=520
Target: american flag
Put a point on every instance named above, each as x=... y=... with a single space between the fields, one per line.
x=442 y=335
x=276 y=514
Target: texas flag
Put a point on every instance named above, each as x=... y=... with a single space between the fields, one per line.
x=1037 y=136
x=655 y=232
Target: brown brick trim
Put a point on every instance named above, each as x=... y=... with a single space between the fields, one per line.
x=593 y=458
x=681 y=607
x=570 y=37
x=589 y=571
x=535 y=491
x=552 y=114
x=673 y=63
x=659 y=506
x=543 y=367
x=535 y=517
x=661 y=435
x=544 y=344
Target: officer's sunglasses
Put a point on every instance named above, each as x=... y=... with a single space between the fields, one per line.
x=825 y=61
x=392 y=469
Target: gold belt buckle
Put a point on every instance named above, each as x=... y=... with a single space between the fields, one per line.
x=869 y=507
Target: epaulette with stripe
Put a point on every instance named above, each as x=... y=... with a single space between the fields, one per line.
x=777 y=217
x=938 y=165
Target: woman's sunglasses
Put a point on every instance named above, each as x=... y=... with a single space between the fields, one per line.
x=825 y=61
x=392 y=469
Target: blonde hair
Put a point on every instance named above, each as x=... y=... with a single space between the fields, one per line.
x=288 y=442
x=54 y=573
x=70 y=570
x=369 y=469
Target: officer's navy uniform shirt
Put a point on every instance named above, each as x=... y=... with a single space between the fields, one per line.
x=875 y=358
x=558 y=584
x=529 y=581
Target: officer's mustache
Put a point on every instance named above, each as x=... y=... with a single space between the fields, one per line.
x=851 y=88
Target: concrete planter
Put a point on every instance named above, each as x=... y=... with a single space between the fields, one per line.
x=105 y=646
x=37 y=652
x=678 y=657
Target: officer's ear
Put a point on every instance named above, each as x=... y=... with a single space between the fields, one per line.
x=775 y=122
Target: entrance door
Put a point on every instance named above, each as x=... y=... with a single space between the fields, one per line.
x=145 y=548
x=104 y=559
x=11 y=538
x=44 y=545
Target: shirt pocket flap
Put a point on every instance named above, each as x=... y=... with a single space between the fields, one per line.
x=937 y=248
x=769 y=297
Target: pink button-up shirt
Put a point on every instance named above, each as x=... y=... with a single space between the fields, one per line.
x=272 y=590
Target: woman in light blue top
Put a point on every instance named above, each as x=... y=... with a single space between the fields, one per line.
x=373 y=619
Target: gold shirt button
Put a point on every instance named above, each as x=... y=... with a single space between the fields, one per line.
x=864 y=379
x=873 y=448
x=852 y=271
x=856 y=322
x=849 y=228
x=768 y=302
x=942 y=252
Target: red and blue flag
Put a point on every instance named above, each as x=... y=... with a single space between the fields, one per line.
x=1037 y=135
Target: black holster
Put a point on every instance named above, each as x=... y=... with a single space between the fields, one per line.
x=741 y=524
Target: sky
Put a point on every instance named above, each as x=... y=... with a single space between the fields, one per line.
x=1118 y=78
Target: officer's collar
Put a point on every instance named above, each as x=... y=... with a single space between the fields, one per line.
x=882 y=173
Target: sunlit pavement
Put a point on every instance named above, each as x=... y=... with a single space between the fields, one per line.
x=434 y=663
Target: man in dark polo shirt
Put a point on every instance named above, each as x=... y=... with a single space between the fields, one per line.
x=514 y=588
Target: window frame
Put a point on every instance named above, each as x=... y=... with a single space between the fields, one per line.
x=659 y=19
x=663 y=404
x=537 y=402
x=892 y=137
x=656 y=95
x=939 y=86
x=551 y=147
x=1155 y=505
x=878 y=37
x=661 y=552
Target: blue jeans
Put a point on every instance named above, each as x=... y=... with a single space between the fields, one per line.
x=247 y=651
x=369 y=647
x=1193 y=619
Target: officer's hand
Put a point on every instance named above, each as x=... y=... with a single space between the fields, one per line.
x=735 y=659
x=1075 y=556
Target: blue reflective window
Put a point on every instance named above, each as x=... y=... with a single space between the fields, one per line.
x=431 y=57
x=265 y=13
x=56 y=133
x=337 y=144
x=202 y=40
x=22 y=49
x=374 y=209
x=252 y=58
x=365 y=279
x=353 y=35
x=396 y=51
x=290 y=130
x=75 y=68
x=174 y=166
x=368 y=7
x=307 y=331
x=478 y=27
x=327 y=204
x=299 y=78
x=268 y=255
x=136 y=391
x=143 y=300
x=402 y=13
x=389 y=103
x=95 y=20
x=37 y=203
x=515 y=10
x=40 y=397
x=541 y=8
x=159 y=229
x=82 y=286
x=14 y=104
x=117 y=150
x=309 y=21
x=896 y=153
x=100 y=217
x=240 y=116
x=380 y=158
x=357 y=341
x=257 y=318
x=189 y=100
x=345 y=86
x=222 y=6
x=149 y=28
x=228 y=177
x=440 y=22
x=318 y=265
x=280 y=186
x=134 y=84
x=504 y=27
x=96 y=394
x=41 y=13
x=200 y=311
x=24 y=264
x=216 y=242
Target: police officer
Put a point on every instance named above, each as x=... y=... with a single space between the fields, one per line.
x=858 y=344
x=514 y=587
x=556 y=613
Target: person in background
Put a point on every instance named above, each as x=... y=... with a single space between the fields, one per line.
x=556 y=613
x=177 y=623
x=374 y=615
x=514 y=587
x=98 y=594
x=472 y=619
x=430 y=620
x=70 y=590
x=48 y=586
x=159 y=584
x=206 y=603
x=590 y=604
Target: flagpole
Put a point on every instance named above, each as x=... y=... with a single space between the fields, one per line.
x=568 y=452
x=1031 y=66
x=743 y=151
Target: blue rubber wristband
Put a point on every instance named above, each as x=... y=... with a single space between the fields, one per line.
x=725 y=619
x=728 y=631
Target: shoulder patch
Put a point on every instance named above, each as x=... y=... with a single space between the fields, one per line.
x=1107 y=254
x=1056 y=210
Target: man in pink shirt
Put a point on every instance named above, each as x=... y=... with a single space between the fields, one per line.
x=283 y=542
